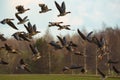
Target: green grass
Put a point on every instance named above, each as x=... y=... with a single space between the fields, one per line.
x=51 y=77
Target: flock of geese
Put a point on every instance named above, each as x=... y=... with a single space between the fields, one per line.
x=64 y=43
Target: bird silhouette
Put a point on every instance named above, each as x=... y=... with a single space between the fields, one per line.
x=54 y=23
x=21 y=36
x=10 y=49
x=36 y=53
x=20 y=9
x=9 y=22
x=61 y=9
x=86 y=38
x=63 y=41
x=32 y=29
x=44 y=8
x=63 y=27
x=22 y=65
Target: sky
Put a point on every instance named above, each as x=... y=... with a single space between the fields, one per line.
x=85 y=14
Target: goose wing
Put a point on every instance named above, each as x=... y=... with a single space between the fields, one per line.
x=30 y=27
x=10 y=23
x=18 y=17
x=59 y=7
x=33 y=49
x=16 y=36
x=89 y=34
x=25 y=17
x=63 y=41
x=81 y=34
x=27 y=28
x=63 y=6
x=34 y=28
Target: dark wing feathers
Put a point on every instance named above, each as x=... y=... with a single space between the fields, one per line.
x=12 y=25
x=63 y=6
x=58 y=7
x=82 y=35
x=18 y=17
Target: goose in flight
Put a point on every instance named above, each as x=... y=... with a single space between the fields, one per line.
x=32 y=29
x=21 y=36
x=86 y=38
x=20 y=9
x=36 y=53
x=63 y=41
x=21 y=21
x=63 y=27
x=44 y=8
x=22 y=65
x=54 y=23
x=61 y=9
x=9 y=49
x=9 y=22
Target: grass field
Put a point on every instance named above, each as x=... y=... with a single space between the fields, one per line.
x=51 y=77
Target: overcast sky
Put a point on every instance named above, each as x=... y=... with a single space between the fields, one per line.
x=88 y=14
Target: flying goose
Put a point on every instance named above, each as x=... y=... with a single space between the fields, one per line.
x=63 y=27
x=36 y=53
x=22 y=65
x=32 y=29
x=24 y=36
x=21 y=21
x=103 y=76
x=86 y=38
x=67 y=44
x=20 y=9
x=63 y=41
x=44 y=8
x=2 y=38
x=3 y=62
x=9 y=22
x=54 y=23
x=21 y=36
x=9 y=49
x=16 y=35
x=61 y=9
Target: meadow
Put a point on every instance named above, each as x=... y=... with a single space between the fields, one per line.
x=51 y=77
